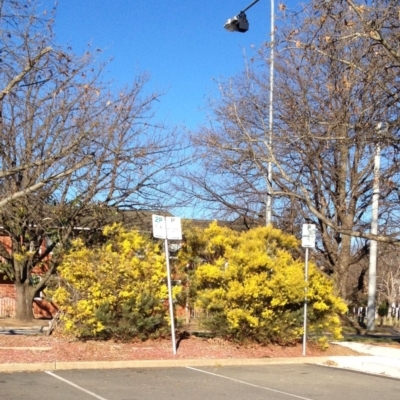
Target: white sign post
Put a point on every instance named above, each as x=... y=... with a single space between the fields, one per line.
x=168 y=228
x=307 y=241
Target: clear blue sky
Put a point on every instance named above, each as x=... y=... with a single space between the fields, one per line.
x=180 y=43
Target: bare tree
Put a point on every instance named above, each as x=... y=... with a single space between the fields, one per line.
x=71 y=149
x=333 y=87
x=388 y=274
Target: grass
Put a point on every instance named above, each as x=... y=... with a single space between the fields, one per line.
x=356 y=331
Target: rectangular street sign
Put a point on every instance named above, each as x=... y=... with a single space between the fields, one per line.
x=174 y=230
x=167 y=227
x=308 y=236
x=159 y=230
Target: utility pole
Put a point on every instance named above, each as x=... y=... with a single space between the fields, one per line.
x=373 y=251
x=268 y=219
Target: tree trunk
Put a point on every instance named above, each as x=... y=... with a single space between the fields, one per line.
x=24 y=306
x=341 y=276
x=341 y=284
x=344 y=258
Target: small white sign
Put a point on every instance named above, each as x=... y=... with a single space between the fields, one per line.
x=159 y=229
x=174 y=230
x=308 y=236
x=167 y=227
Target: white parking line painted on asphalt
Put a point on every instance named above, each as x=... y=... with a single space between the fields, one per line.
x=250 y=384
x=75 y=386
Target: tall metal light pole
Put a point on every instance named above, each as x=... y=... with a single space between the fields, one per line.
x=268 y=219
x=239 y=23
x=373 y=250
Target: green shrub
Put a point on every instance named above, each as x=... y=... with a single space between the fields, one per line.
x=383 y=309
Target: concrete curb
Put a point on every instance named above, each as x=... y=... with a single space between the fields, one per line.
x=61 y=365
x=27 y=367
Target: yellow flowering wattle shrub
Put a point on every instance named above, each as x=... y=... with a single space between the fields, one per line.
x=252 y=286
x=115 y=290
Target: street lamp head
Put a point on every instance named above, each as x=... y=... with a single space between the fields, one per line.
x=239 y=23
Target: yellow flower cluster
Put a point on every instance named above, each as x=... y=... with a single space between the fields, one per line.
x=253 y=286
x=126 y=269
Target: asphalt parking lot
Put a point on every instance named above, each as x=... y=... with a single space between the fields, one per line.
x=272 y=382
